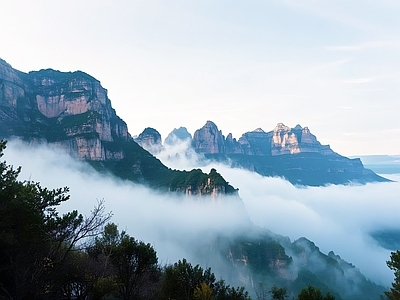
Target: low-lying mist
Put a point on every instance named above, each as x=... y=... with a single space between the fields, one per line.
x=337 y=218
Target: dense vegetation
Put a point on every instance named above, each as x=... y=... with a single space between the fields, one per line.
x=138 y=165
x=45 y=255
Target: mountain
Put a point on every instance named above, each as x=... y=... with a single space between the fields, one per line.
x=292 y=153
x=71 y=110
x=259 y=256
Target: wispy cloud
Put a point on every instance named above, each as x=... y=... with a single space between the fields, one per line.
x=394 y=44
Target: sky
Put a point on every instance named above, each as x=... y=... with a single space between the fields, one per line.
x=335 y=218
x=333 y=66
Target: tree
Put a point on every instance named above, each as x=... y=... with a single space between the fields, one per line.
x=182 y=281
x=394 y=265
x=203 y=292
x=312 y=293
x=132 y=263
x=34 y=239
x=278 y=293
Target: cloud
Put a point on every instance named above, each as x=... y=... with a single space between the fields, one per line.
x=336 y=218
x=392 y=44
x=171 y=223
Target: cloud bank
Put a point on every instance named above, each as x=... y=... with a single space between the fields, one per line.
x=337 y=218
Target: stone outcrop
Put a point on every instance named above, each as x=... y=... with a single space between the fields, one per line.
x=282 y=140
x=177 y=135
x=69 y=109
x=150 y=139
x=209 y=139
x=287 y=140
x=292 y=153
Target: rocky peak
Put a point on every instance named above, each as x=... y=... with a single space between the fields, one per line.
x=295 y=140
x=70 y=109
x=208 y=139
x=177 y=135
x=150 y=139
x=256 y=142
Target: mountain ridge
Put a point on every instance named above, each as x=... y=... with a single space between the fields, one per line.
x=291 y=153
x=72 y=111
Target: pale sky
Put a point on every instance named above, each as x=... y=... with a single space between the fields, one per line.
x=333 y=66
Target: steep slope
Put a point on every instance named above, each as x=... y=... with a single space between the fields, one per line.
x=292 y=153
x=256 y=255
x=71 y=110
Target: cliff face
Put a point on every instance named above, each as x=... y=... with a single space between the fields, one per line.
x=177 y=135
x=282 y=140
x=292 y=153
x=150 y=139
x=209 y=139
x=71 y=110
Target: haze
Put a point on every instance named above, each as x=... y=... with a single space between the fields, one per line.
x=331 y=66
x=336 y=218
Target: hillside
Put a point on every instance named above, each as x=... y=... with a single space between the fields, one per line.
x=71 y=110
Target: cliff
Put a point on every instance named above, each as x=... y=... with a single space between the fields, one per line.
x=255 y=255
x=150 y=139
x=292 y=153
x=282 y=140
x=71 y=110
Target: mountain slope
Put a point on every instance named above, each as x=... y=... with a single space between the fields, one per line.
x=292 y=153
x=71 y=110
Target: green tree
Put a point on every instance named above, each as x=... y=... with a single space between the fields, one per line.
x=203 y=292
x=394 y=265
x=182 y=281
x=312 y=293
x=35 y=241
x=278 y=293
x=132 y=263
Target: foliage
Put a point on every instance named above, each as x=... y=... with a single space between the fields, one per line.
x=183 y=281
x=132 y=263
x=35 y=241
x=278 y=293
x=394 y=265
x=312 y=293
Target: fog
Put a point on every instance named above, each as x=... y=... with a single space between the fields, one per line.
x=337 y=218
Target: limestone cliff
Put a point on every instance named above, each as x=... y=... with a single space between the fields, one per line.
x=282 y=140
x=177 y=135
x=286 y=140
x=292 y=153
x=150 y=139
x=69 y=109
x=209 y=139
x=72 y=111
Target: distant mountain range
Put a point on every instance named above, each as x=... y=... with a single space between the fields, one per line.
x=71 y=110
x=292 y=153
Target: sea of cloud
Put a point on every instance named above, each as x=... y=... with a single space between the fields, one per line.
x=335 y=218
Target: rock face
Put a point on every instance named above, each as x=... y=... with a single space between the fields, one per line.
x=292 y=153
x=282 y=140
x=71 y=110
x=209 y=139
x=177 y=135
x=150 y=139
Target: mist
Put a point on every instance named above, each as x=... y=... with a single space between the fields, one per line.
x=335 y=218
